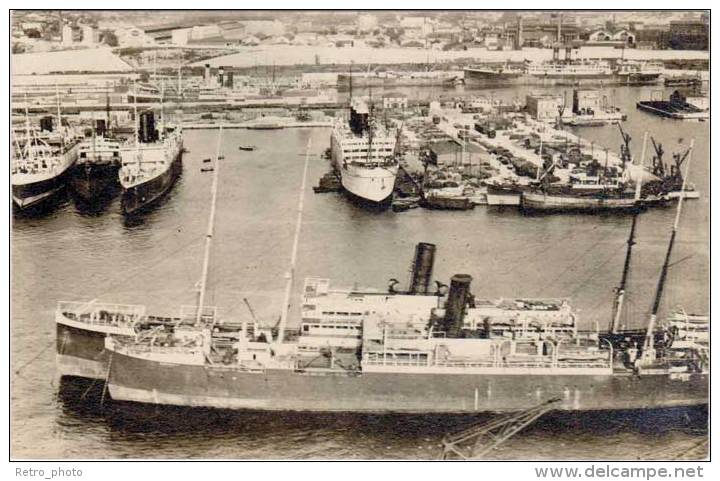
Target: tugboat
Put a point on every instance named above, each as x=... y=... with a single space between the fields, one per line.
x=150 y=169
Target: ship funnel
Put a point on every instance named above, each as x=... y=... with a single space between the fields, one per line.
x=456 y=304
x=46 y=124
x=221 y=77
x=147 y=132
x=422 y=268
x=100 y=127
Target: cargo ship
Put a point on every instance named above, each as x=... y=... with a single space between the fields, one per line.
x=95 y=173
x=563 y=72
x=391 y=79
x=594 y=192
x=41 y=162
x=150 y=169
x=364 y=154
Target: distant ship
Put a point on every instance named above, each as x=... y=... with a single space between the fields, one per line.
x=567 y=72
x=150 y=169
x=391 y=79
x=41 y=162
x=596 y=190
x=364 y=154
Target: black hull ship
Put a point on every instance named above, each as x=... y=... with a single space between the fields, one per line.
x=151 y=168
x=41 y=163
x=95 y=174
x=144 y=195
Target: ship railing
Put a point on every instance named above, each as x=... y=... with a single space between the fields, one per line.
x=421 y=361
x=101 y=313
x=166 y=350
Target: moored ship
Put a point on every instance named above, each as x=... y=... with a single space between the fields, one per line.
x=364 y=154
x=470 y=357
x=563 y=72
x=390 y=79
x=41 y=162
x=150 y=169
x=96 y=170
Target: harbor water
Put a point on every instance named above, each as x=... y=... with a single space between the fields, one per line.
x=73 y=252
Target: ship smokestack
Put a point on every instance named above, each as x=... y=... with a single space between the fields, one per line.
x=207 y=75
x=221 y=77
x=422 y=268
x=229 y=83
x=147 y=132
x=46 y=124
x=100 y=127
x=457 y=300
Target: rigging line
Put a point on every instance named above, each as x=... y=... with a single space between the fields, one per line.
x=581 y=285
x=572 y=263
x=35 y=357
x=168 y=256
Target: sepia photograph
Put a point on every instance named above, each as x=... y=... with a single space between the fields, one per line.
x=359 y=235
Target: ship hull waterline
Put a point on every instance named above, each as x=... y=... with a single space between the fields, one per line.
x=94 y=181
x=142 y=196
x=33 y=194
x=140 y=380
x=369 y=185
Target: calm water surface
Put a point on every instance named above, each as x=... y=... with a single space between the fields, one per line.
x=71 y=253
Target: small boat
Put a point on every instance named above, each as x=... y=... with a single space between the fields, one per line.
x=247 y=148
x=207 y=169
x=207 y=160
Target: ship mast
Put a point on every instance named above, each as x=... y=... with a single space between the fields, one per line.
x=648 y=352
x=107 y=109
x=179 y=87
x=137 y=125
x=293 y=256
x=59 y=116
x=620 y=291
x=209 y=235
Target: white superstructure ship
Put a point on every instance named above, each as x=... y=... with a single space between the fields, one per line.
x=364 y=155
x=40 y=162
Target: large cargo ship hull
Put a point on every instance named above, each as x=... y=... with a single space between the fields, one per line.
x=141 y=380
x=142 y=196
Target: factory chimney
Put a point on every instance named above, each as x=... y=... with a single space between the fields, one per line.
x=422 y=268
